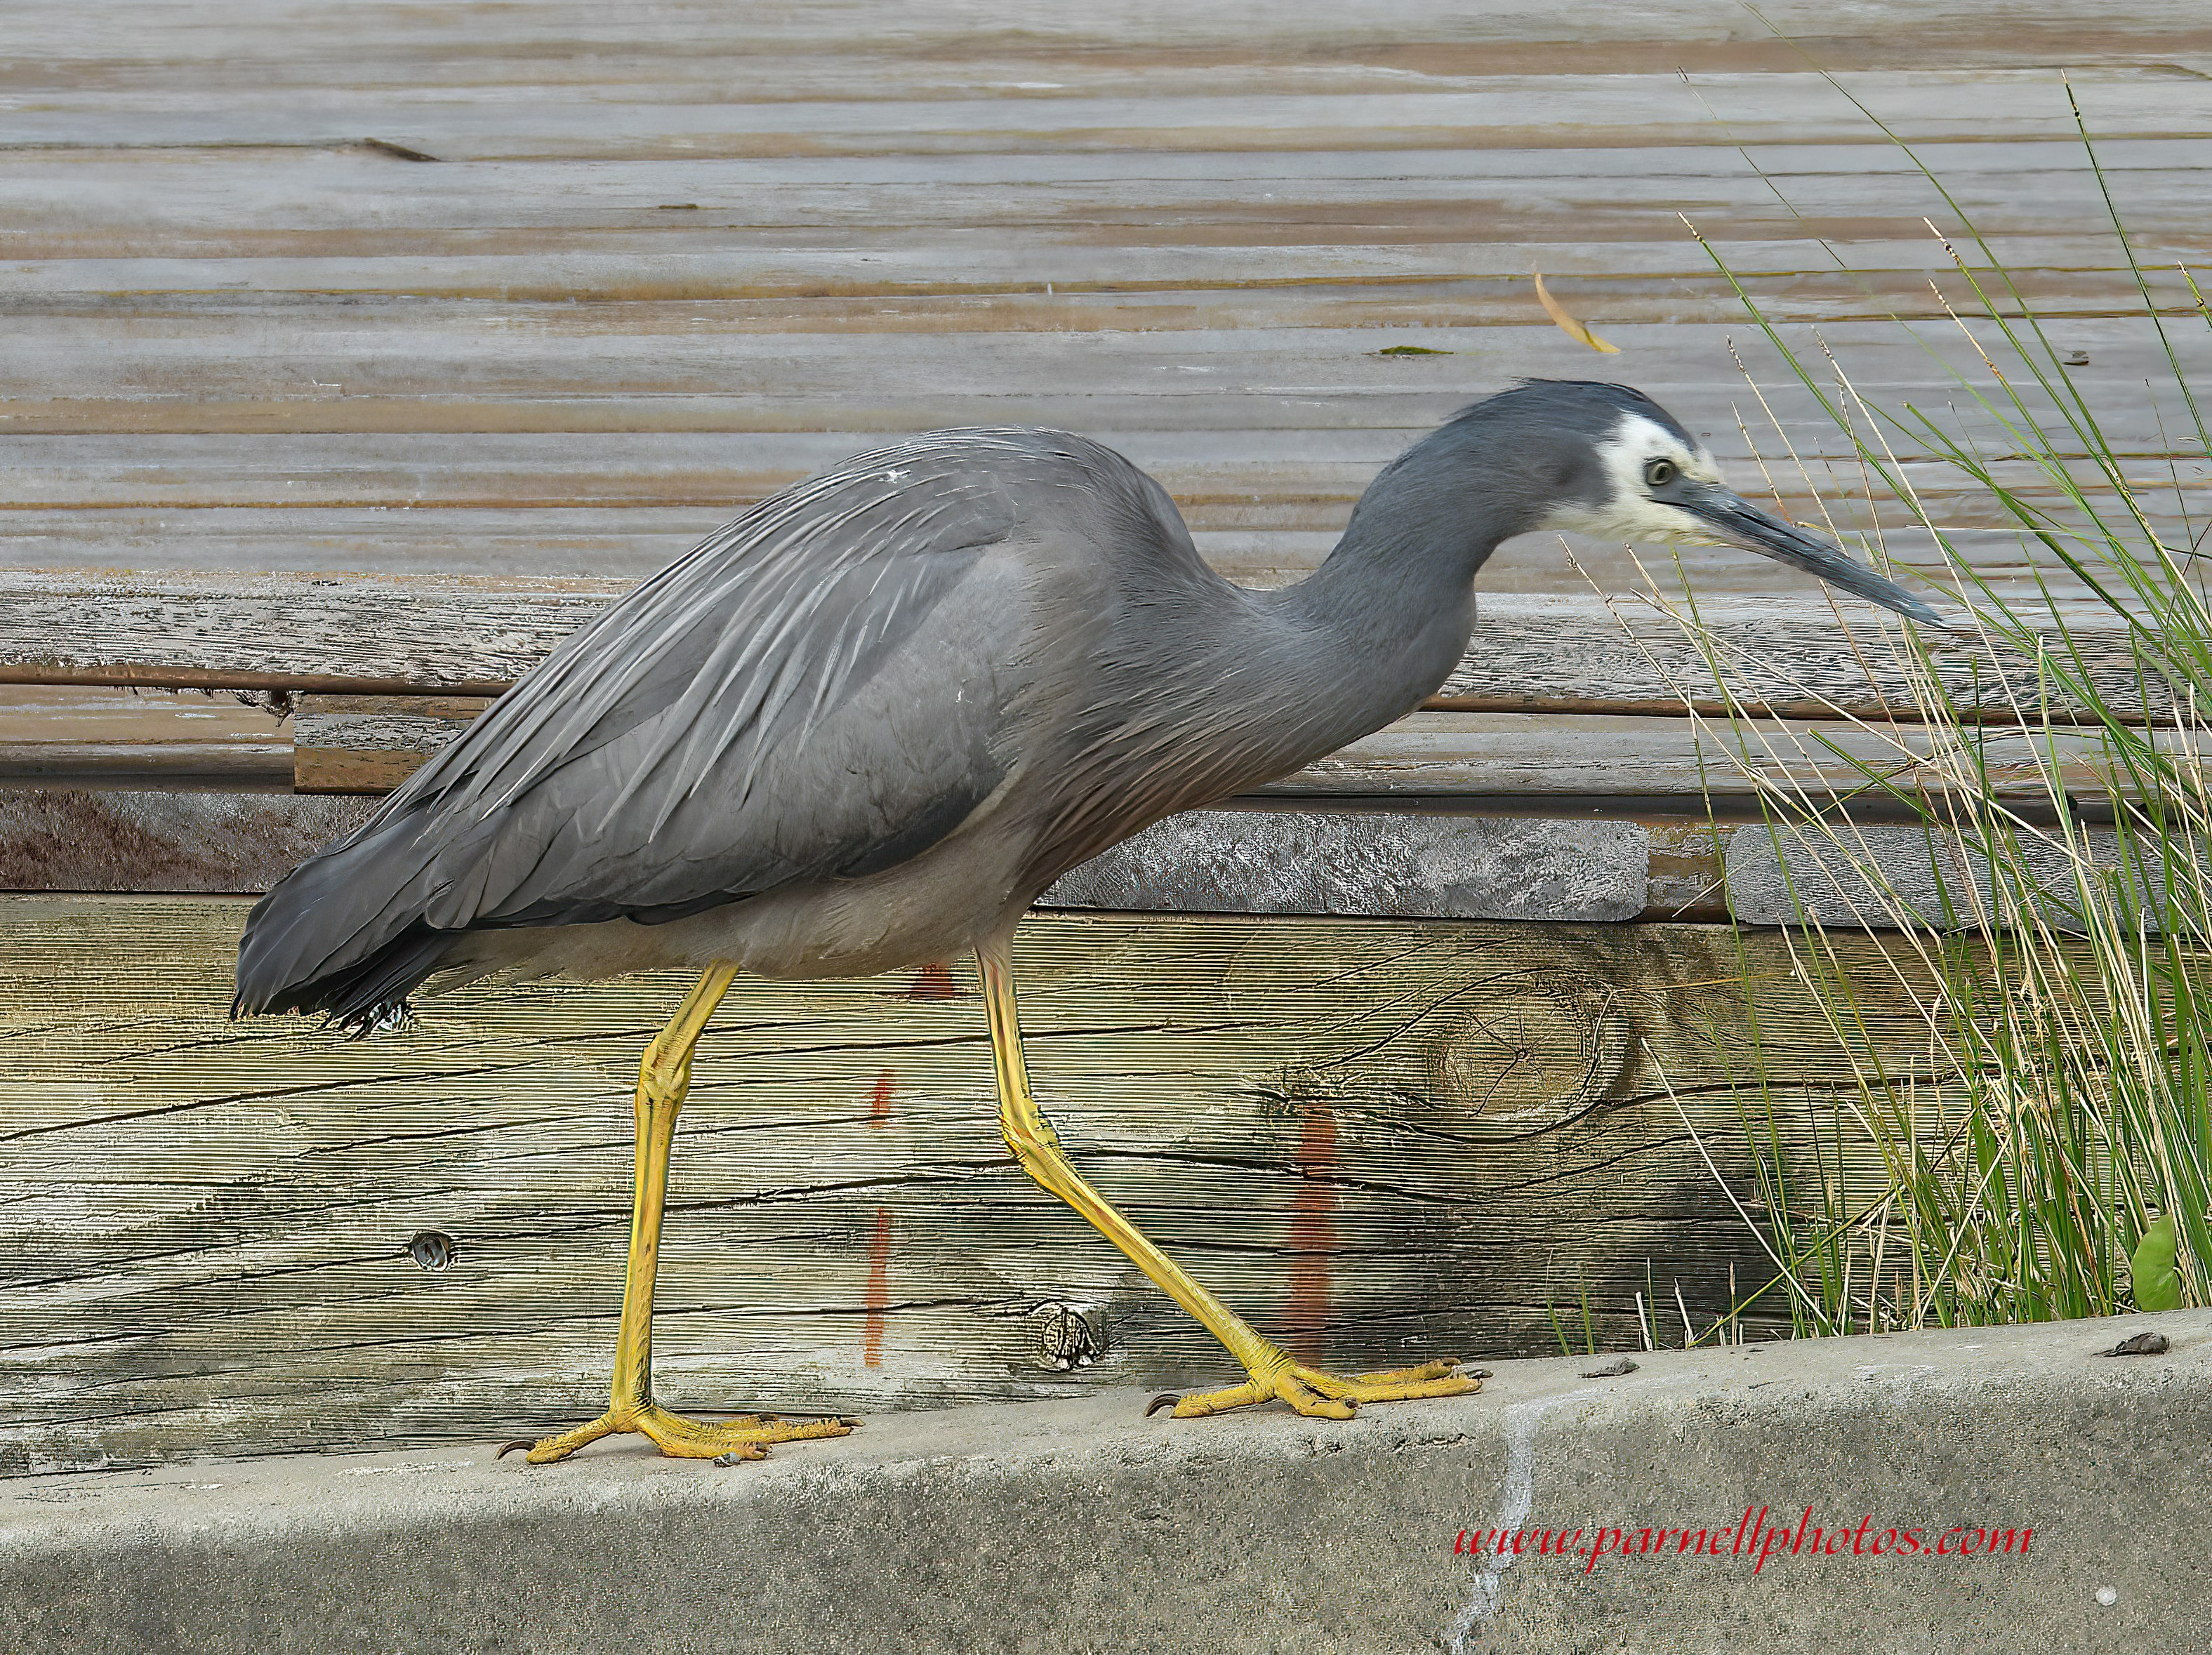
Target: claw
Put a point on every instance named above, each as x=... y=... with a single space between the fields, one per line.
x=1165 y=1399
x=506 y=1448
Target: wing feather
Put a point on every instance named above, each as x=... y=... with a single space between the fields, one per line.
x=814 y=688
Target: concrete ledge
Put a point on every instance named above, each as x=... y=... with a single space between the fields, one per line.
x=1085 y=1526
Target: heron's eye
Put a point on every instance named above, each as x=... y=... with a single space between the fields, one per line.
x=1659 y=473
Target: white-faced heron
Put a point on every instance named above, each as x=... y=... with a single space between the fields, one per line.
x=864 y=726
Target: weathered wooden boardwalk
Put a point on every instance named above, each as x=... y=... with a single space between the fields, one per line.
x=353 y=353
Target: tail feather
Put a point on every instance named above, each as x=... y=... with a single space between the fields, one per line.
x=341 y=934
x=359 y=996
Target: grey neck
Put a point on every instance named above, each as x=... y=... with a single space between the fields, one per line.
x=1393 y=606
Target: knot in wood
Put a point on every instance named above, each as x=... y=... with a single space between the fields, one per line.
x=1069 y=1336
x=1526 y=1052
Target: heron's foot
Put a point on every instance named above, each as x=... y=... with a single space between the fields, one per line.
x=1323 y=1396
x=746 y=1437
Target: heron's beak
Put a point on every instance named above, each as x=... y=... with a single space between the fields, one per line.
x=1738 y=522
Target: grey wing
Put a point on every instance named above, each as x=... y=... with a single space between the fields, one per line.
x=816 y=690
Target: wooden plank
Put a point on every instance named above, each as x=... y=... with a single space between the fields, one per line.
x=1813 y=290
x=908 y=273
x=371 y=743
x=2042 y=183
x=1311 y=861
x=1380 y=1140
x=639 y=368
x=53 y=735
x=1440 y=756
x=1369 y=863
x=1535 y=660
x=666 y=411
x=458 y=637
x=805 y=402
x=1235 y=482
x=1436 y=754
x=1895 y=875
x=794 y=50
x=1796 y=657
x=1085 y=215
x=1236 y=494
x=778 y=49
x=625 y=544
x=111 y=839
x=1511 y=112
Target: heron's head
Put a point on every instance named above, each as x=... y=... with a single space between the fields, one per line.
x=1606 y=461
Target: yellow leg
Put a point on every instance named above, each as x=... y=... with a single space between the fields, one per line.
x=663 y=1080
x=1273 y=1374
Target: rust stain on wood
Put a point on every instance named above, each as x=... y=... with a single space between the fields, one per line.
x=933 y=982
x=879 y=1246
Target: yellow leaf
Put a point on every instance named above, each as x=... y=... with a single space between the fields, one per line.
x=1558 y=312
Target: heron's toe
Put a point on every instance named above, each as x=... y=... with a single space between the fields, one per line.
x=1436 y=1378
x=747 y=1438
x=723 y=1442
x=1324 y=1396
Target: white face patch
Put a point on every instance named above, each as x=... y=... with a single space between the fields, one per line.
x=1629 y=511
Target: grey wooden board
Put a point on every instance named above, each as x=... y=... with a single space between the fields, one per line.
x=1805 y=655
x=1307 y=861
x=1274 y=861
x=2126 y=100
x=1531 y=661
x=93 y=498
x=398 y=370
x=780 y=47
x=1440 y=754
x=1226 y=480
x=237 y=199
x=1400 y=867
x=632 y=542
x=1381 y=1141
x=1889 y=876
x=1437 y=755
x=913 y=272
x=390 y=723
x=771 y=233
